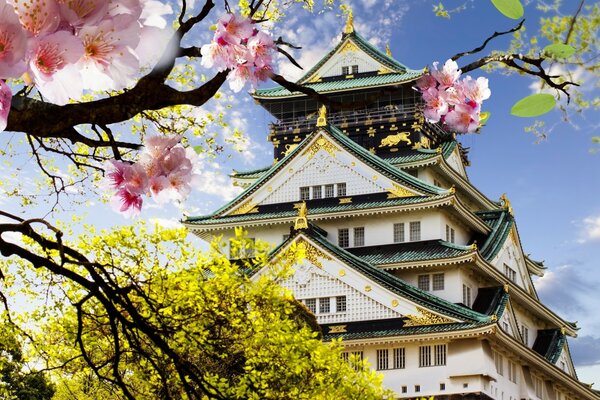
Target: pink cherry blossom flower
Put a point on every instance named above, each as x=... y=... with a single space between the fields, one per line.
x=78 y=13
x=51 y=54
x=234 y=28
x=157 y=145
x=127 y=203
x=462 y=119
x=13 y=43
x=136 y=179
x=5 y=101
x=107 y=62
x=239 y=76
x=262 y=74
x=475 y=90
x=129 y=7
x=261 y=47
x=425 y=82
x=448 y=75
x=435 y=104
x=37 y=16
x=116 y=173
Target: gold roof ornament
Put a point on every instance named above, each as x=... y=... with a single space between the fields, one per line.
x=388 y=51
x=506 y=203
x=349 y=27
x=301 y=221
x=322 y=120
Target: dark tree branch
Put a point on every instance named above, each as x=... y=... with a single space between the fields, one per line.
x=489 y=39
x=573 y=20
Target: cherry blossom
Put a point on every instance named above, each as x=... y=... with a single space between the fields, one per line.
x=5 y=98
x=39 y=17
x=13 y=43
x=453 y=102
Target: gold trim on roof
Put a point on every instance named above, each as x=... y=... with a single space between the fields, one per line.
x=301 y=221
x=506 y=203
x=322 y=120
x=349 y=27
x=321 y=143
x=247 y=207
x=399 y=191
x=426 y=318
x=337 y=329
x=388 y=51
x=311 y=253
x=350 y=46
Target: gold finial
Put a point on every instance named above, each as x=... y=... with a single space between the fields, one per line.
x=301 y=221
x=506 y=203
x=494 y=317
x=474 y=245
x=388 y=51
x=506 y=287
x=322 y=120
x=349 y=28
x=452 y=189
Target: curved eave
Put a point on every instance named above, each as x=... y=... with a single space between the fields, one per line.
x=439 y=262
x=257 y=95
x=534 y=268
x=555 y=374
x=458 y=333
x=521 y=296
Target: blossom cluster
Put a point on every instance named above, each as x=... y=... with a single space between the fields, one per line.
x=165 y=171
x=66 y=46
x=453 y=102
x=238 y=46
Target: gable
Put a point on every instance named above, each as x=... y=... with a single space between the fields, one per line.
x=456 y=163
x=320 y=161
x=511 y=262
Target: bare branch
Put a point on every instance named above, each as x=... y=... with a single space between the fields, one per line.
x=489 y=39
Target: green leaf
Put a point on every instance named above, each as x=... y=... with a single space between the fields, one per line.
x=483 y=117
x=559 y=50
x=510 y=8
x=198 y=149
x=534 y=105
x=596 y=139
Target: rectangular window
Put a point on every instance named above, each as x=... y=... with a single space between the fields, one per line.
x=359 y=237
x=438 y=282
x=399 y=358
x=311 y=304
x=345 y=356
x=382 y=359
x=399 y=233
x=340 y=304
x=343 y=238
x=512 y=371
x=423 y=282
x=341 y=189
x=510 y=273
x=417 y=388
x=450 y=234
x=539 y=388
x=415 y=231
x=324 y=305
x=346 y=70
x=525 y=335
x=442 y=386
x=467 y=295
x=355 y=69
x=440 y=354
x=499 y=362
x=305 y=193
x=329 y=191
x=316 y=192
x=357 y=357
x=404 y=389
x=424 y=356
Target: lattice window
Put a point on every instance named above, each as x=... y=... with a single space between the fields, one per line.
x=499 y=362
x=343 y=238
x=438 y=281
x=345 y=356
x=423 y=282
x=450 y=234
x=417 y=388
x=440 y=354
x=510 y=273
x=311 y=304
x=424 y=356
x=305 y=193
x=329 y=191
x=525 y=335
x=399 y=358
x=316 y=192
x=399 y=233
x=382 y=359
x=340 y=304
x=467 y=295
x=512 y=371
x=359 y=237
x=341 y=189
x=355 y=69
x=324 y=305
x=442 y=386
x=539 y=387
x=415 y=231
x=346 y=70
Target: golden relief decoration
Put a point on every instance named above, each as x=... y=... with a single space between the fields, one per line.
x=424 y=143
x=383 y=71
x=419 y=122
x=425 y=318
x=346 y=200
x=322 y=120
x=394 y=140
x=342 y=272
x=371 y=131
x=314 y=79
x=289 y=148
x=247 y=207
x=397 y=191
x=338 y=329
x=350 y=46
x=311 y=253
x=368 y=288
x=321 y=143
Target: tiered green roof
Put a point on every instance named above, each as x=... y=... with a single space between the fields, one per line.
x=501 y=222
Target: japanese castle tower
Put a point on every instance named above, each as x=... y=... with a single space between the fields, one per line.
x=406 y=260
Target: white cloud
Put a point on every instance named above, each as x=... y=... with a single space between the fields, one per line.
x=214 y=182
x=591 y=229
x=167 y=222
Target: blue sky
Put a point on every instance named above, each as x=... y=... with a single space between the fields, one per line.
x=553 y=185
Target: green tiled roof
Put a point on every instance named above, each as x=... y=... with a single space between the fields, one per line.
x=255 y=173
x=400 y=331
x=501 y=223
x=342 y=84
x=370 y=159
x=287 y=209
x=405 y=156
x=398 y=285
x=410 y=251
